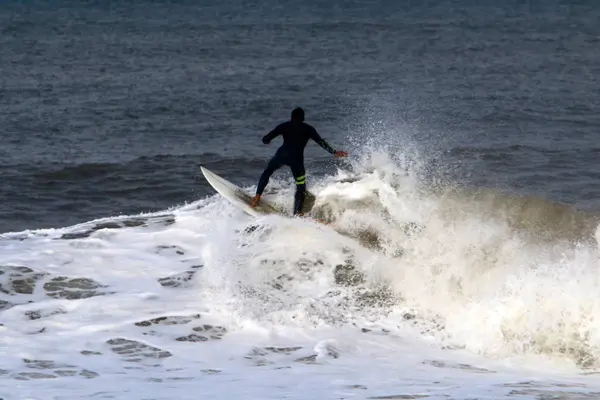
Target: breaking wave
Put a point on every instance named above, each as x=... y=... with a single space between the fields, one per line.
x=496 y=274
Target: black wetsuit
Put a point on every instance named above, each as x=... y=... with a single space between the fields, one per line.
x=291 y=153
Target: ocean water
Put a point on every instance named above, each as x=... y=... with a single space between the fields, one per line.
x=461 y=255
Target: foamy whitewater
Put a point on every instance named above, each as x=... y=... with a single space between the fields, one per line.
x=411 y=292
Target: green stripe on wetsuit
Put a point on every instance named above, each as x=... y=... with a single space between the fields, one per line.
x=301 y=180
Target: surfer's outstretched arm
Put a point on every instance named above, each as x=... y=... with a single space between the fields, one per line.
x=323 y=143
x=272 y=135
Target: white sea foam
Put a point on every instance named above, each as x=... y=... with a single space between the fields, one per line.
x=408 y=292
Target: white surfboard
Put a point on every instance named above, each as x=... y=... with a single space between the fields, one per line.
x=237 y=196
x=241 y=199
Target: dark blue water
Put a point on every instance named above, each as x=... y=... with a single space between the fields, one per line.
x=110 y=109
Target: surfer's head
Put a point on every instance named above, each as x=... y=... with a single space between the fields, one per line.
x=298 y=114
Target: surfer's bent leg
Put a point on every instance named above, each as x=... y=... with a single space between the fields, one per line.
x=273 y=165
x=300 y=177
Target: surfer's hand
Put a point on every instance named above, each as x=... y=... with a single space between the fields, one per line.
x=340 y=154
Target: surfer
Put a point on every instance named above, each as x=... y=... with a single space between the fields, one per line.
x=296 y=134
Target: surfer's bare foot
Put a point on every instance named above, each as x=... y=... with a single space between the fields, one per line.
x=255 y=200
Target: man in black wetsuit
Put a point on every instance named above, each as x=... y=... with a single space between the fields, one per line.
x=291 y=153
